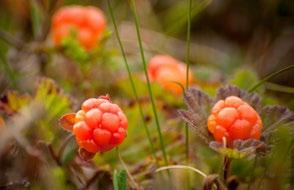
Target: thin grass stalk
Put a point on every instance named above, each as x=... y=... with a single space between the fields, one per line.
x=162 y=146
x=188 y=67
x=182 y=167
x=279 y=88
x=269 y=76
x=130 y=77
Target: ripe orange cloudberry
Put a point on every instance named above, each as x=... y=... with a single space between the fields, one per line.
x=87 y=22
x=167 y=72
x=234 y=119
x=100 y=125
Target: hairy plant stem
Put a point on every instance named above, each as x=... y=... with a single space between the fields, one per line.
x=131 y=78
x=187 y=67
x=134 y=10
x=269 y=76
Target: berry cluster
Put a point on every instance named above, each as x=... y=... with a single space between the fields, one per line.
x=100 y=125
x=87 y=22
x=167 y=72
x=234 y=119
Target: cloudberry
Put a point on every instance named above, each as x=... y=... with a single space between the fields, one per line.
x=87 y=22
x=100 y=125
x=234 y=119
x=167 y=72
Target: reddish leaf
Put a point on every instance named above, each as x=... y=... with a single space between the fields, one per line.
x=85 y=155
x=67 y=121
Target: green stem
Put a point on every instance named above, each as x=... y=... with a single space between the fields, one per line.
x=187 y=68
x=148 y=82
x=271 y=75
x=130 y=77
x=135 y=184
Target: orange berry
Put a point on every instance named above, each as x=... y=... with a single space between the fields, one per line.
x=234 y=119
x=110 y=122
x=101 y=136
x=90 y=104
x=240 y=129
x=211 y=123
x=233 y=101
x=88 y=145
x=168 y=72
x=159 y=61
x=93 y=118
x=82 y=131
x=226 y=116
x=247 y=112
x=87 y=21
x=220 y=133
x=218 y=106
x=100 y=125
x=80 y=116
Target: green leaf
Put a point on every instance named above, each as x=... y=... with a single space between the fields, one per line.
x=120 y=180
x=69 y=153
x=74 y=49
x=244 y=78
x=16 y=101
x=55 y=102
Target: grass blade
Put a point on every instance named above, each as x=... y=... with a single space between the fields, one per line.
x=269 y=76
x=130 y=77
x=189 y=15
x=134 y=10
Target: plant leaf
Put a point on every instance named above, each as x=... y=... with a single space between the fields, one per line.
x=244 y=78
x=275 y=116
x=197 y=100
x=241 y=148
x=13 y=102
x=67 y=121
x=85 y=155
x=120 y=180
x=251 y=98
x=196 y=123
x=198 y=104
x=54 y=100
x=251 y=147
